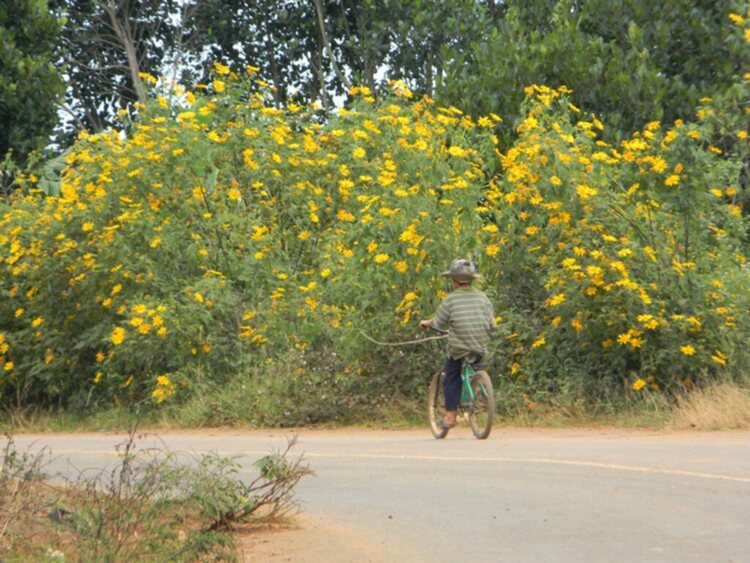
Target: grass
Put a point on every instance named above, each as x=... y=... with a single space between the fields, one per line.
x=716 y=407
x=722 y=406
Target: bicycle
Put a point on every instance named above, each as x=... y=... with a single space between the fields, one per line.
x=477 y=399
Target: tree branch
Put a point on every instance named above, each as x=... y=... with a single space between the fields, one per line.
x=125 y=36
x=321 y=21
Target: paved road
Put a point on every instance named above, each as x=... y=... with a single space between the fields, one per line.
x=522 y=495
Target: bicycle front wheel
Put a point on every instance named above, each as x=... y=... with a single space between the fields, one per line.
x=435 y=406
x=482 y=410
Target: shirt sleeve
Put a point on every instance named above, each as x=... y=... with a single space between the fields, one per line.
x=442 y=318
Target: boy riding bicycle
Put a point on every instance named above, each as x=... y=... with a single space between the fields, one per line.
x=467 y=314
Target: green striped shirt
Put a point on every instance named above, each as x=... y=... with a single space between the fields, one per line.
x=467 y=314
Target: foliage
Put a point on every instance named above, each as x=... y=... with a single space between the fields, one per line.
x=629 y=62
x=223 y=239
x=216 y=237
x=29 y=84
x=106 y=45
x=625 y=264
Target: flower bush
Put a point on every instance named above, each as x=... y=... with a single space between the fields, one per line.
x=219 y=235
x=623 y=265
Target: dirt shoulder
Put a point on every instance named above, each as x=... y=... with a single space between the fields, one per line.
x=309 y=539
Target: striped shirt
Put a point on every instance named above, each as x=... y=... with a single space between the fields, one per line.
x=467 y=314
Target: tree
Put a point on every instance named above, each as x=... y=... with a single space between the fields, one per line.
x=29 y=83
x=105 y=46
x=628 y=61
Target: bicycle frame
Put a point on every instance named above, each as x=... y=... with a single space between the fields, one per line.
x=467 y=393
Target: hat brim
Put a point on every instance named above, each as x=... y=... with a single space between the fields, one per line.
x=461 y=277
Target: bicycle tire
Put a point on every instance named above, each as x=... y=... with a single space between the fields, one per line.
x=482 y=410
x=435 y=406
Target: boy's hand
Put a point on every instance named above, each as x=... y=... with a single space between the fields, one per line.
x=424 y=325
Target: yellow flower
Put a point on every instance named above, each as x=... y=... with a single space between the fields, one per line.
x=719 y=358
x=221 y=69
x=198 y=297
x=541 y=341
x=118 y=336
x=492 y=250
x=20 y=311
x=160 y=394
x=219 y=85
x=234 y=194
x=359 y=152
x=585 y=192
x=37 y=321
x=344 y=215
x=638 y=384
x=688 y=350
x=381 y=258
x=401 y=266
x=672 y=180
x=556 y=300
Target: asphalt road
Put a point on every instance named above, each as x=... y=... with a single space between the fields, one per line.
x=522 y=495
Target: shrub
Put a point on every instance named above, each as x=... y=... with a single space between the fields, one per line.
x=218 y=235
x=618 y=266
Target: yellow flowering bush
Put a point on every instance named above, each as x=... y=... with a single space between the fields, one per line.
x=617 y=264
x=218 y=235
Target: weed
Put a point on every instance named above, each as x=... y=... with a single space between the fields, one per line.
x=154 y=504
x=715 y=407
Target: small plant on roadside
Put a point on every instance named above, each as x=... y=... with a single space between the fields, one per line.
x=154 y=504
x=21 y=474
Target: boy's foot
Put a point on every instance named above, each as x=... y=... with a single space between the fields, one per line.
x=445 y=425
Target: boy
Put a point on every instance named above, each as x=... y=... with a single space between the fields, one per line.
x=467 y=314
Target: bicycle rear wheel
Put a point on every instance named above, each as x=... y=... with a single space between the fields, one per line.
x=482 y=410
x=436 y=406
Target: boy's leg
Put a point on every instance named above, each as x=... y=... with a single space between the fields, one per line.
x=452 y=388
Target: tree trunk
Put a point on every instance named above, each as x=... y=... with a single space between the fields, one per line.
x=324 y=36
x=121 y=29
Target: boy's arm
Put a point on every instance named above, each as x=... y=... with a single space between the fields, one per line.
x=441 y=320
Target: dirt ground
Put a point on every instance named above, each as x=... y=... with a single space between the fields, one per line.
x=308 y=539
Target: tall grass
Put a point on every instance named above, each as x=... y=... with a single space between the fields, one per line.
x=720 y=406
